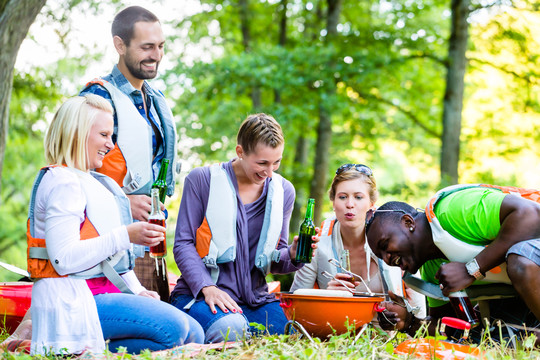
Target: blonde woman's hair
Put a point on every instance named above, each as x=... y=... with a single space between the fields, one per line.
x=67 y=135
x=259 y=128
x=352 y=174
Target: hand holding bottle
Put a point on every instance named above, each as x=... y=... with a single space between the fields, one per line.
x=294 y=246
x=454 y=277
x=146 y=234
x=304 y=249
x=344 y=279
x=140 y=206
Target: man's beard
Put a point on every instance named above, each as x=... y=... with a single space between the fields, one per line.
x=135 y=69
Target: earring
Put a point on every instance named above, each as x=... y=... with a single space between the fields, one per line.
x=411 y=229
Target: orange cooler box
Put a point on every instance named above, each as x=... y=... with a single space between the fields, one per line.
x=15 y=298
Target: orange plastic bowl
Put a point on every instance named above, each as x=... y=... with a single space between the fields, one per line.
x=321 y=315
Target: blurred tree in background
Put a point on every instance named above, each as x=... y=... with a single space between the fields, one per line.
x=15 y=20
x=34 y=97
x=363 y=82
x=36 y=94
x=376 y=82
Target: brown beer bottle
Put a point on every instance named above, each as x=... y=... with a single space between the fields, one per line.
x=462 y=306
x=307 y=230
x=157 y=217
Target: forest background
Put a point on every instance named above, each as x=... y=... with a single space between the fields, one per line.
x=426 y=92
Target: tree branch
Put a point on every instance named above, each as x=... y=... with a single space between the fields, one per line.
x=529 y=78
x=421 y=55
x=401 y=109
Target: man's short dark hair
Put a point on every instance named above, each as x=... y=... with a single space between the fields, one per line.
x=392 y=212
x=124 y=22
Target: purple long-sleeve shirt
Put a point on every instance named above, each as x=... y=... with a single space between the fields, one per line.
x=240 y=279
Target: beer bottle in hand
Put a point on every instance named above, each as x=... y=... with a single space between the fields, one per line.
x=161 y=182
x=157 y=217
x=462 y=306
x=307 y=230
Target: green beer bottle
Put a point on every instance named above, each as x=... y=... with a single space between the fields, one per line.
x=161 y=183
x=307 y=230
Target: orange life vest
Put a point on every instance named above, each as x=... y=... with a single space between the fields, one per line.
x=105 y=217
x=129 y=163
x=42 y=268
x=216 y=236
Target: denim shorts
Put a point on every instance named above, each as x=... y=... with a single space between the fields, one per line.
x=529 y=249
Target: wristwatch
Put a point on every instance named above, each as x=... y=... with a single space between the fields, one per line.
x=474 y=270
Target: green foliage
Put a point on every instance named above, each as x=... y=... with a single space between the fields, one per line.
x=260 y=328
x=360 y=77
x=499 y=140
x=382 y=78
x=33 y=98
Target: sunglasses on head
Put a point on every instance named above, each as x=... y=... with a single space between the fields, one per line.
x=370 y=215
x=358 y=167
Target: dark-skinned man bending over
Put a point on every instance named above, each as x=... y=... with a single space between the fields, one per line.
x=467 y=234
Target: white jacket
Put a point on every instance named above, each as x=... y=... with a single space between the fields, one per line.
x=64 y=313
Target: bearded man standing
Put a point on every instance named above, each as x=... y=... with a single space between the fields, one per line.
x=144 y=129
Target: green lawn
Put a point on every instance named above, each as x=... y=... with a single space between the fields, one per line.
x=369 y=343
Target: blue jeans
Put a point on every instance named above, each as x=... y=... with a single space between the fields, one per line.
x=228 y=326
x=138 y=323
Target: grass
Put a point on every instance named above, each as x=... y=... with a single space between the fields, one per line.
x=368 y=343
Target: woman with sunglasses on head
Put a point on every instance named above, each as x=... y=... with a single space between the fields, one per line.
x=353 y=194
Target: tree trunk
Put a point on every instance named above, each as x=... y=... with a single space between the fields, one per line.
x=283 y=23
x=243 y=8
x=324 y=130
x=15 y=19
x=332 y=19
x=282 y=39
x=300 y=166
x=453 y=97
x=322 y=158
x=243 y=5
